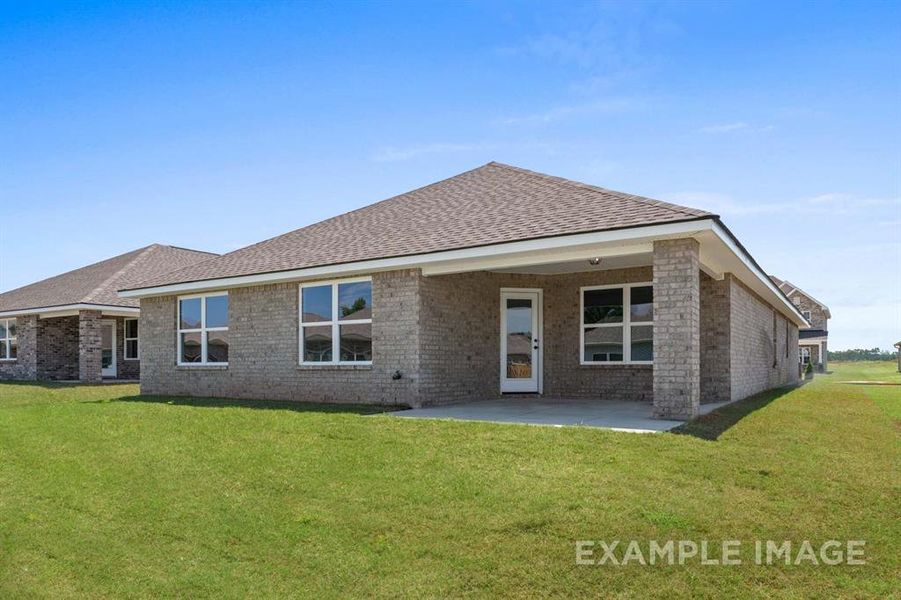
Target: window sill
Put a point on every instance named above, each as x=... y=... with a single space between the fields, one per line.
x=201 y=367
x=333 y=367
x=9 y=360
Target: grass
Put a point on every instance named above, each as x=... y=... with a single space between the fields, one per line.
x=106 y=494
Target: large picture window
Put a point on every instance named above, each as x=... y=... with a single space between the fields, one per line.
x=8 y=347
x=336 y=322
x=203 y=329
x=131 y=339
x=617 y=324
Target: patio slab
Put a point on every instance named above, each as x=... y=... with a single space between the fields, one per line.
x=607 y=414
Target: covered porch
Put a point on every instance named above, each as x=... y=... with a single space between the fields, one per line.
x=612 y=339
x=77 y=344
x=612 y=332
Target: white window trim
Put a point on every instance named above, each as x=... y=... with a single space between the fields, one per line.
x=334 y=323
x=6 y=342
x=126 y=339
x=202 y=330
x=626 y=325
x=803 y=352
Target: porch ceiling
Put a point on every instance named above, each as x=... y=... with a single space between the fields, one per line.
x=644 y=259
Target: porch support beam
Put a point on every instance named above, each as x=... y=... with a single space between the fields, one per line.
x=531 y=259
x=677 y=329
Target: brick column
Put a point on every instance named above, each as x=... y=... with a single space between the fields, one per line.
x=677 y=327
x=89 y=346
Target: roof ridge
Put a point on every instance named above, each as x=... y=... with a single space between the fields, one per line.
x=686 y=210
x=187 y=249
x=140 y=253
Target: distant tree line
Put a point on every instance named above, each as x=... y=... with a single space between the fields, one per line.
x=863 y=354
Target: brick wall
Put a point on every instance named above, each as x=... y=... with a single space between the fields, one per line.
x=677 y=326
x=58 y=348
x=756 y=364
x=24 y=368
x=716 y=382
x=264 y=349
x=442 y=333
x=461 y=338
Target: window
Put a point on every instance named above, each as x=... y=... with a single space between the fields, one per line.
x=336 y=322
x=804 y=355
x=203 y=329
x=131 y=339
x=617 y=324
x=9 y=349
x=806 y=314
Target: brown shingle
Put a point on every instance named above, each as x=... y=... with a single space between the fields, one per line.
x=492 y=204
x=97 y=283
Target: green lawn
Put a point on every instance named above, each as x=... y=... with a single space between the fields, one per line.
x=105 y=494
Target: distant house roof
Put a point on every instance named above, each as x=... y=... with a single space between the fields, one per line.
x=788 y=287
x=492 y=204
x=96 y=284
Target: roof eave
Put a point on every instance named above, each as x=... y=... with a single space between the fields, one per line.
x=61 y=308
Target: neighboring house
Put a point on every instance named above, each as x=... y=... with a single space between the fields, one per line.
x=812 y=340
x=75 y=326
x=496 y=281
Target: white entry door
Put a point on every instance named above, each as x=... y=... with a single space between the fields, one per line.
x=108 y=348
x=521 y=340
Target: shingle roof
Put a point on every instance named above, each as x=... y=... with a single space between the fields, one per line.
x=97 y=283
x=492 y=204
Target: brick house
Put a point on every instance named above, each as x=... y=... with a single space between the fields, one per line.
x=812 y=339
x=75 y=326
x=498 y=281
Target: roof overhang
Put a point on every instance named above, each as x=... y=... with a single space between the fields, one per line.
x=67 y=310
x=720 y=253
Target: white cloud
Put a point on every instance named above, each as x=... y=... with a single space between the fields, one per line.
x=395 y=154
x=831 y=203
x=736 y=126
x=559 y=113
x=414 y=151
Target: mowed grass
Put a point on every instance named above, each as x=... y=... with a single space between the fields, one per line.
x=103 y=494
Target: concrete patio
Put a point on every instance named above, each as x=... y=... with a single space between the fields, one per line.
x=607 y=414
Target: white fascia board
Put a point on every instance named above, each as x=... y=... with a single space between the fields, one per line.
x=749 y=263
x=47 y=312
x=495 y=251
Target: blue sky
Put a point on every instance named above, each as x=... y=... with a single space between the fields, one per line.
x=215 y=126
